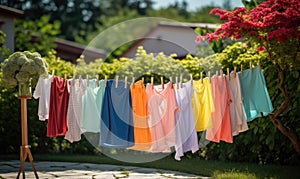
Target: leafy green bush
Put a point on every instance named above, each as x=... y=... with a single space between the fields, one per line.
x=262 y=143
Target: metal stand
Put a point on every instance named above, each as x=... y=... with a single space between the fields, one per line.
x=25 y=148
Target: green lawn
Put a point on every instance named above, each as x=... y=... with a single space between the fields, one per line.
x=217 y=169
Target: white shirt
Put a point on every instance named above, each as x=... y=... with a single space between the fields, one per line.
x=186 y=136
x=74 y=114
x=42 y=91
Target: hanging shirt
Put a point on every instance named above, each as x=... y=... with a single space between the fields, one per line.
x=42 y=91
x=203 y=104
x=142 y=135
x=256 y=99
x=237 y=116
x=59 y=99
x=221 y=116
x=74 y=114
x=162 y=108
x=186 y=136
x=92 y=106
x=117 y=119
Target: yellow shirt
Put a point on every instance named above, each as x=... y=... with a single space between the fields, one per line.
x=203 y=104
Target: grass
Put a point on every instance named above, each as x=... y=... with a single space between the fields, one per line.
x=215 y=169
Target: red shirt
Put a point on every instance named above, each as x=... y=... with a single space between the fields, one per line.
x=59 y=99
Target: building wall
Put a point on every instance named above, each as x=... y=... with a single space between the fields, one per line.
x=8 y=28
x=167 y=39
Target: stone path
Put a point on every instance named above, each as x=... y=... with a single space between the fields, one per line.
x=9 y=169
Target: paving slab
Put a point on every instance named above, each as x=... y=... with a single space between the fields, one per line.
x=9 y=169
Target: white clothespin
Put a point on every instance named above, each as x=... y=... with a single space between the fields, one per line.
x=117 y=80
x=125 y=84
x=87 y=80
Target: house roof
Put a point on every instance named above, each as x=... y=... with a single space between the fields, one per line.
x=71 y=51
x=190 y=25
x=174 y=25
x=11 y=12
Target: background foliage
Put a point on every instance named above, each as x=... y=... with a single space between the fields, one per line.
x=260 y=144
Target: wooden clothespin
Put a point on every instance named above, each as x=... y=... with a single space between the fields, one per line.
x=241 y=69
x=53 y=72
x=65 y=82
x=97 y=80
x=74 y=77
x=105 y=80
x=191 y=78
x=171 y=81
x=258 y=64
x=209 y=76
x=217 y=73
x=87 y=80
x=79 y=79
x=125 y=84
x=117 y=80
x=228 y=73
x=234 y=71
x=132 y=81
x=176 y=80
x=143 y=80
x=180 y=81
x=250 y=65
x=152 y=81
x=162 y=82
x=221 y=72
x=201 y=76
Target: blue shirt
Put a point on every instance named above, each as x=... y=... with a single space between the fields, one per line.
x=117 y=119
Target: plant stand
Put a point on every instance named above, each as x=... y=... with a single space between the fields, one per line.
x=25 y=148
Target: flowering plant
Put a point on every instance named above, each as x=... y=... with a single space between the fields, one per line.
x=273 y=24
x=23 y=69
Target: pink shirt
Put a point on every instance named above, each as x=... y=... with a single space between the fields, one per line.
x=221 y=116
x=238 y=119
x=162 y=108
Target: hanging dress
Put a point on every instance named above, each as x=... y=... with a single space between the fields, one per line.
x=42 y=92
x=162 y=108
x=92 y=106
x=256 y=99
x=203 y=104
x=237 y=116
x=142 y=135
x=74 y=114
x=117 y=119
x=221 y=116
x=186 y=136
x=59 y=99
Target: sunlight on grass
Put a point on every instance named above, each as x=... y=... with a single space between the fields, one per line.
x=233 y=174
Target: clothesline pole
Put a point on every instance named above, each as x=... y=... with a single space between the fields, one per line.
x=25 y=148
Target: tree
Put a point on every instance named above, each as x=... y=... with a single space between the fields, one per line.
x=38 y=35
x=274 y=25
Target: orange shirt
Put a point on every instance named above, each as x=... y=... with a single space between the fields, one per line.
x=142 y=135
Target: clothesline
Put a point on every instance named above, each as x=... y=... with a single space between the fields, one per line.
x=151 y=117
x=170 y=78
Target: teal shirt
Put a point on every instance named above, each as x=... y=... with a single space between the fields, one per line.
x=92 y=106
x=256 y=99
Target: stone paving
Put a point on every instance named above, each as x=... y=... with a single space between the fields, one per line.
x=9 y=169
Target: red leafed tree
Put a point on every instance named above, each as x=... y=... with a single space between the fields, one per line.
x=275 y=25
